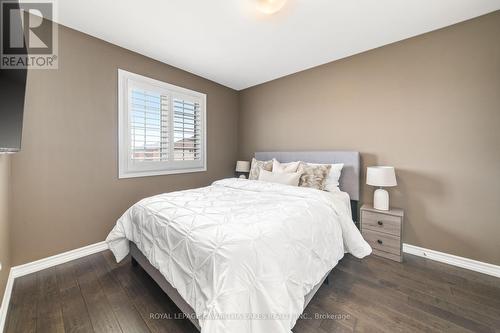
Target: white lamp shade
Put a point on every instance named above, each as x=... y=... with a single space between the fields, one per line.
x=382 y=176
x=242 y=166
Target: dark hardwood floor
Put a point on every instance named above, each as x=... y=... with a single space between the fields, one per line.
x=94 y=294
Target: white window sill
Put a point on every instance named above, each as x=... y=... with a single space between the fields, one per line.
x=123 y=175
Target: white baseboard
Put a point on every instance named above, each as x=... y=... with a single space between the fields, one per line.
x=41 y=264
x=58 y=259
x=450 y=259
x=6 y=300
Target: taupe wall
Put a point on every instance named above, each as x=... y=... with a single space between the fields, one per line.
x=4 y=221
x=429 y=105
x=65 y=189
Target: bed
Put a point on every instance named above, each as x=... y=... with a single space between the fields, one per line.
x=242 y=255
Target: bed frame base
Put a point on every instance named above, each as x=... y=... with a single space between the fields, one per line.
x=139 y=259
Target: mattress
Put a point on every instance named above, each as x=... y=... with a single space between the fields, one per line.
x=344 y=198
x=243 y=254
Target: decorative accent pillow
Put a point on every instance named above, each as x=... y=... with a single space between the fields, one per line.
x=332 y=181
x=290 y=178
x=314 y=176
x=285 y=167
x=256 y=166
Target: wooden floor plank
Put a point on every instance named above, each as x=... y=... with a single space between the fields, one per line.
x=473 y=318
x=75 y=315
x=154 y=306
x=492 y=302
x=393 y=299
x=128 y=317
x=449 y=316
x=22 y=313
x=450 y=273
x=458 y=278
x=96 y=294
x=101 y=314
x=49 y=316
x=333 y=319
x=374 y=309
x=466 y=308
x=377 y=270
x=382 y=270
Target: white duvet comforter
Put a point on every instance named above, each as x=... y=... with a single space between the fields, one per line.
x=242 y=253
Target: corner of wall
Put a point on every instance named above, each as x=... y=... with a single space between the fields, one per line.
x=239 y=125
x=4 y=221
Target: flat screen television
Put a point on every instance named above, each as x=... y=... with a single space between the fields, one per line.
x=12 y=91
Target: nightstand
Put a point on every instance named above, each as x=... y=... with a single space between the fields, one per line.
x=383 y=230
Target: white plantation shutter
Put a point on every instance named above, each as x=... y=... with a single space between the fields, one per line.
x=148 y=126
x=161 y=127
x=187 y=130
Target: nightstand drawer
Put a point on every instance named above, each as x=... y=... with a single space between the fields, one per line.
x=381 y=222
x=383 y=242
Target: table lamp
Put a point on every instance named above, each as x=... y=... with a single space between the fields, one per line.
x=242 y=168
x=381 y=176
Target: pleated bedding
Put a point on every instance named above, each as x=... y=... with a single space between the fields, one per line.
x=242 y=253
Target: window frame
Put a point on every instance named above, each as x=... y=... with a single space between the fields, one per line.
x=126 y=168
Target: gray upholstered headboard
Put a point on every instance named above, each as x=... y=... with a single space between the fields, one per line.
x=349 y=180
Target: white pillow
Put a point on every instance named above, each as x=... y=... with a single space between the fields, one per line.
x=280 y=177
x=285 y=167
x=332 y=181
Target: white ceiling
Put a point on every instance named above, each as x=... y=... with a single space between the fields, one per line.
x=227 y=41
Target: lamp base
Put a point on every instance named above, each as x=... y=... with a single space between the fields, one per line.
x=381 y=199
x=243 y=175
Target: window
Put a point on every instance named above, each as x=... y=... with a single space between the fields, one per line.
x=162 y=127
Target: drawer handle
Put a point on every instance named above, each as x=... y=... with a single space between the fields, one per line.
x=380 y=223
x=379 y=241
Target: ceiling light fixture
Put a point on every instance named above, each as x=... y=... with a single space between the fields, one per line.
x=270 y=6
